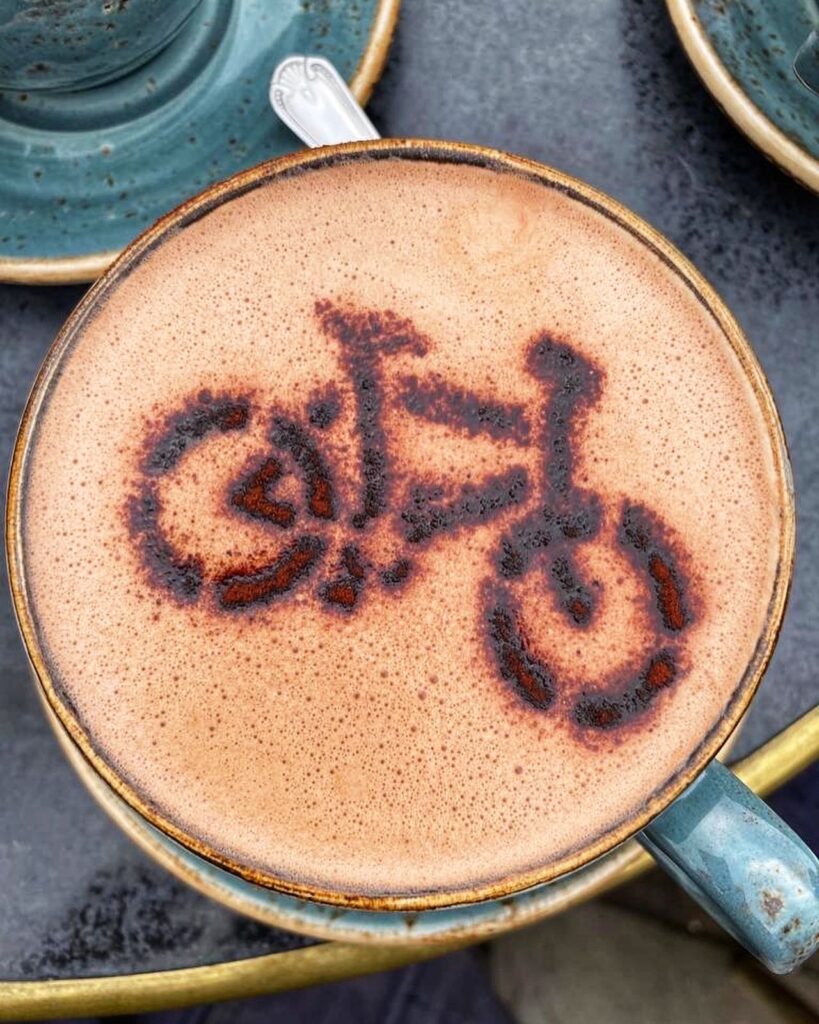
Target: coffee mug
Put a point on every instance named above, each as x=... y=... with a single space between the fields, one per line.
x=722 y=843
x=79 y=44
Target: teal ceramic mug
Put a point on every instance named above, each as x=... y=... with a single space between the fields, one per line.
x=79 y=44
x=716 y=837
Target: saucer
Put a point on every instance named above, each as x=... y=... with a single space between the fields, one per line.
x=451 y=926
x=82 y=173
x=448 y=927
x=744 y=54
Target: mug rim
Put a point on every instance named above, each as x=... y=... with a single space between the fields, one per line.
x=448 y=152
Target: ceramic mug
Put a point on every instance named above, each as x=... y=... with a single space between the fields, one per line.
x=78 y=44
x=720 y=841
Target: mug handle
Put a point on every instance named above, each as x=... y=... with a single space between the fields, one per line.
x=743 y=865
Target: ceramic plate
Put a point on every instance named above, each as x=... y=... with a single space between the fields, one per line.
x=82 y=173
x=744 y=50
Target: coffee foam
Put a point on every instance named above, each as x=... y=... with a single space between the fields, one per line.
x=285 y=538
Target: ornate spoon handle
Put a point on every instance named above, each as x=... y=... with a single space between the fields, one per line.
x=313 y=100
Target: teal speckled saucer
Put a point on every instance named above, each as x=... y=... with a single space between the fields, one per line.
x=82 y=173
x=744 y=50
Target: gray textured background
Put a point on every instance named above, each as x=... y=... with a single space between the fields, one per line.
x=602 y=90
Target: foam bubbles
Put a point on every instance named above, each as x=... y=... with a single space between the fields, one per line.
x=374 y=746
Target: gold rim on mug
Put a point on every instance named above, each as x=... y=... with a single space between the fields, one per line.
x=244 y=182
x=82 y=269
x=736 y=104
x=766 y=769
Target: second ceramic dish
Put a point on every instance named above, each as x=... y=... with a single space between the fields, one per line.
x=744 y=54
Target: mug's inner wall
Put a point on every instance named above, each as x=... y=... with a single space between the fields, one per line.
x=533 y=539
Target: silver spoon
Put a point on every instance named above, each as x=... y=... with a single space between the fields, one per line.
x=313 y=100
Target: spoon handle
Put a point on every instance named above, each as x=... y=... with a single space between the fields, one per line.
x=313 y=100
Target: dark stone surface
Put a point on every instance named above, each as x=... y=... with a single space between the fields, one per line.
x=599 y=89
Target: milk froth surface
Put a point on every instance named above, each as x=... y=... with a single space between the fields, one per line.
x=400 y=526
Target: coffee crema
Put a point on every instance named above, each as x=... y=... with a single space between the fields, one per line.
x=400 y=527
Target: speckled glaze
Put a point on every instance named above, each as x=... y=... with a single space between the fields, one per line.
x=744 y=865
x=744 y=52
x=73 y=44
x=757 y=41
x=81 y=173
